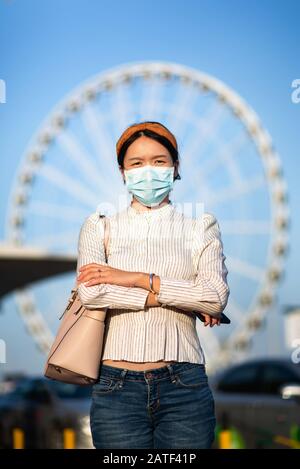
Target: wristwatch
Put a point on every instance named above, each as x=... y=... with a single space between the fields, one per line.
x=153 y=291
x=151 y=282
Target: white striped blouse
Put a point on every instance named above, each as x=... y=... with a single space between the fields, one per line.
x=186 y=253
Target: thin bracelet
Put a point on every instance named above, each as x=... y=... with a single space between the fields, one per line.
x=151 y=283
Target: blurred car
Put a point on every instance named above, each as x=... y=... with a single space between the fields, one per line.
x=9 y=381
x=43 y=409
x=259 y=402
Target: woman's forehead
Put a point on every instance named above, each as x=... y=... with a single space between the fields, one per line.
x=145 y=148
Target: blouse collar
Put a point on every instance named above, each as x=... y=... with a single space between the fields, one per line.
x=152 y=213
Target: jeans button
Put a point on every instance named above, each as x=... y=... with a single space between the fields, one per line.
x=148 y=375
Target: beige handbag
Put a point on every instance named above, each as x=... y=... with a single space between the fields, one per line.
x=77 y=349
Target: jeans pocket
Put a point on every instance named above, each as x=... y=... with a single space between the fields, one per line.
x=105 y=385
x=191 y=379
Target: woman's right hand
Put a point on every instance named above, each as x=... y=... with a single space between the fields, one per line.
x=151 y=300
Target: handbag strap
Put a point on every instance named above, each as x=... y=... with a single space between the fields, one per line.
x=106 y=241
x=106 y=236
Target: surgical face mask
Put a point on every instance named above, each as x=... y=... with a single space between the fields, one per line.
x=149 y=184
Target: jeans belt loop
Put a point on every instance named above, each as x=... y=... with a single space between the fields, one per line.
x=171 y=371
x=123 y=374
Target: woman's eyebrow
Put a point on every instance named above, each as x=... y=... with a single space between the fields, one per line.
x=140 y=158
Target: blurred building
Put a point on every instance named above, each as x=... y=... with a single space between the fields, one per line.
x=292 y=326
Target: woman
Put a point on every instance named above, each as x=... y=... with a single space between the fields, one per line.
x=163 y=268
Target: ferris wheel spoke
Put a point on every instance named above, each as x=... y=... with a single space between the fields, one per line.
x=232 y=169
x=240 y=332
x=246 y=227
x=34 y=320
x=184 y=99
x=68 y=184
x=147 y=103
x=198 y=189
x=243 y=188
x=204 y=128
x=226 y=156
x=57 y=211
x=152 y=100
x=246 y=269
x=232 y=148
x=95 y=126
x=196 y=183
x=201 y=177
x=121 y=108
x=235 y=311
x=208 y=340
x=79 y=156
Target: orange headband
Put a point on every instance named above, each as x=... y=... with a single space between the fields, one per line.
x=158 y=128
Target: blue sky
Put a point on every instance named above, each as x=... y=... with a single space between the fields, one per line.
x=47 y=48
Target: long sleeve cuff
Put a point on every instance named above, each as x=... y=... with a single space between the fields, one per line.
x=113 y=297
x=188 y=295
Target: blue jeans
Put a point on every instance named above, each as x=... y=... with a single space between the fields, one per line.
x=167 y=407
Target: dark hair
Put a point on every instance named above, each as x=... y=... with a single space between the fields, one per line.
x=149 y=133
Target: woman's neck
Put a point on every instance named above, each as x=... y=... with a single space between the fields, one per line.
x=143 y=208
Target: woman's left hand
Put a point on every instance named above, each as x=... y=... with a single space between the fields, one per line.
x=95 y=274
x=209 y=320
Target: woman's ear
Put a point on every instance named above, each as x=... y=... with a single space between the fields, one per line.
x=122 y=174
x=176 y=174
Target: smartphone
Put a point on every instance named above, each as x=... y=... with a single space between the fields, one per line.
x=224 y=319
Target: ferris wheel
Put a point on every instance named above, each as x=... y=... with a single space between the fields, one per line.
x=227 y=161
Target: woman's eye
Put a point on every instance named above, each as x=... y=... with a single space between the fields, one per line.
x=157 y=161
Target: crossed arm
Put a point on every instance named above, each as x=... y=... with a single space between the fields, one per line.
x=103 y=286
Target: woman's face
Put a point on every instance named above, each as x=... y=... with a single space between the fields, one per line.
x=146 y=151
